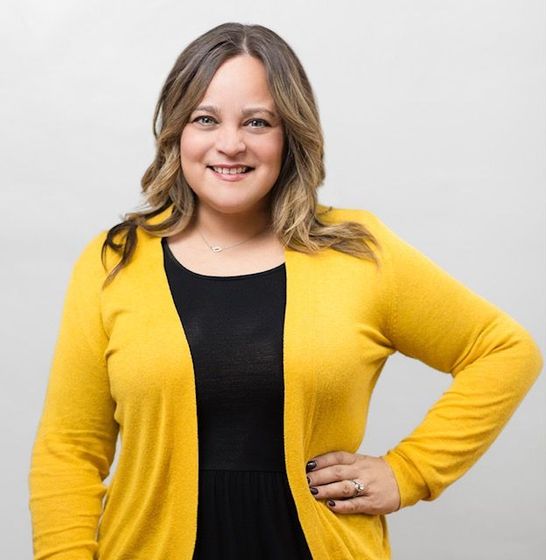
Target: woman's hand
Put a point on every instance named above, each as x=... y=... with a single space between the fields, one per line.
x=332 y=474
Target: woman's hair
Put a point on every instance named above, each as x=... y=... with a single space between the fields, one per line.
x=293 y=197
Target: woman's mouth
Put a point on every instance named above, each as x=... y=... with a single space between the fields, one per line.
x=230 y=174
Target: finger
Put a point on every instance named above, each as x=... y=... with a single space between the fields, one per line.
x=333 y=474
x=353 y=505
x=328 y=459
x=343 y=489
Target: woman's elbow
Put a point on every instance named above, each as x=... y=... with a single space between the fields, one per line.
x=530 y=354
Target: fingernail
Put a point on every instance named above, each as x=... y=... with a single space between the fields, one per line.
x=313 y=490
x=331 y=503
x=308 y=480
x=310 y=466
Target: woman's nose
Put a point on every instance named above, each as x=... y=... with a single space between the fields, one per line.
x=230 y=140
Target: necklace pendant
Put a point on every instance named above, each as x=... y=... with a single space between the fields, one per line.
x=216 y=249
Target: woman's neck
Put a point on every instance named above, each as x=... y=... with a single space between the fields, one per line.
x=226 y=228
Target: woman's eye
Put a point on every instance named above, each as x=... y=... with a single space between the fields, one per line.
x=202 y=117
x=265 y=123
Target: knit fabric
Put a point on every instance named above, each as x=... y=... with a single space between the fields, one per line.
x=122 y=366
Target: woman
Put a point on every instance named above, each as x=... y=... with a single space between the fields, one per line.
x=232 y=334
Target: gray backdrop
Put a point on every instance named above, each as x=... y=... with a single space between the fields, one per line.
x=433 y=114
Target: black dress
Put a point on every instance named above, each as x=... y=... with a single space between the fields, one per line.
x=234 y=328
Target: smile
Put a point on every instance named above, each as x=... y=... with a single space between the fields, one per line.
x=228 y=176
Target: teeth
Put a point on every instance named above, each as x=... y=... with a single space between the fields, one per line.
x=226 y=171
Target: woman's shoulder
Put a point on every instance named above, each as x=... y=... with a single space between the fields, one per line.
x=94 y=255
x=363 y=216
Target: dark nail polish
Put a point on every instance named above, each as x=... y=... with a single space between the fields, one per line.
x=313 y=490
x=331 y=503
x=310 y=466
x=308 y=480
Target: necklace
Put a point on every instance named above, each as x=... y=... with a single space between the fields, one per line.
x=217 y=248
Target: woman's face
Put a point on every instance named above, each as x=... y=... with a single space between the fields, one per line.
x=235 y=128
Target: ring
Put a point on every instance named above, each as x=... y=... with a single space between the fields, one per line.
x=359 y=487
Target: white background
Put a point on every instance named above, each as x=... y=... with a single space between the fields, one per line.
x=434 y=119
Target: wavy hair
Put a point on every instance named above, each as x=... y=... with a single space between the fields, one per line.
x=293 y=197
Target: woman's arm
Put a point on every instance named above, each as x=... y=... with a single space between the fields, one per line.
x=76 y=437
x=493 y=360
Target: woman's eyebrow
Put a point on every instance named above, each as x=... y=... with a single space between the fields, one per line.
x=245 y=112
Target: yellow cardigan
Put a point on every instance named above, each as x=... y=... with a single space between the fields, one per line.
x=122 y=363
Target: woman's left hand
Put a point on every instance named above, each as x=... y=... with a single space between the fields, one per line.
x=332 y=477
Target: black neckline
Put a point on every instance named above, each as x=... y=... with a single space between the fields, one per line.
x=179 y=265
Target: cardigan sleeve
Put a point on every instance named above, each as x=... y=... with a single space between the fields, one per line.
x=492 y=359
x=76 y=437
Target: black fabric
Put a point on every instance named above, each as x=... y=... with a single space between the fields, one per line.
x=234 y=327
